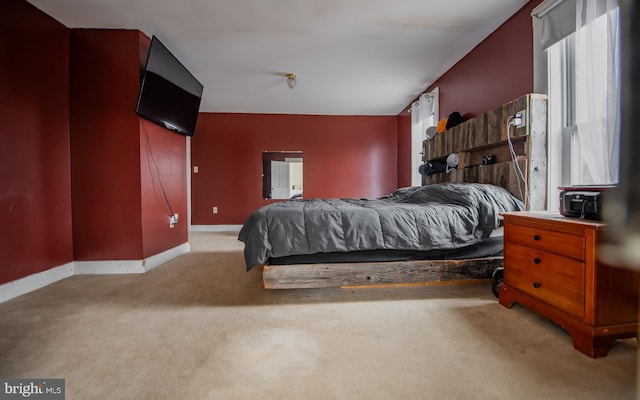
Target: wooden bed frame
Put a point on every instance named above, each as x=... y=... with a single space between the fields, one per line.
x=472 y=140
x=298 y=276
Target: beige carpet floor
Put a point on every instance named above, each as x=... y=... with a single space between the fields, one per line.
x=201 y=327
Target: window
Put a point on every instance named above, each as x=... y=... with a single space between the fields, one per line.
x=424 y=113
x=583 y=77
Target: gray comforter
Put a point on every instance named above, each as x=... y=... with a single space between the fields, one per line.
x=441 y=216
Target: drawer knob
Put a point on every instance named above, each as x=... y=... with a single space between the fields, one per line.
x=536 y=285
x=537 y=260
x=536 y=237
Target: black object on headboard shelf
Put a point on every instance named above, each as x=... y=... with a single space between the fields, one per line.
x=486 y=134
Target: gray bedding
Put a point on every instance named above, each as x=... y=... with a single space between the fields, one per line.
x=420 y=218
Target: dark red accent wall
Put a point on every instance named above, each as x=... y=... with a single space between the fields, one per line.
x=169 y=174
x=344 y=156
x=163 y=179
x=120 y=165
x=105 y=147
x=495 y=72
x=35 y=199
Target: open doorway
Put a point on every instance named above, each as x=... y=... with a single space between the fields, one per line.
x=282 y=174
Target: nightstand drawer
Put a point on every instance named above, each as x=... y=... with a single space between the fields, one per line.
x=546 y=276
x=555 y=242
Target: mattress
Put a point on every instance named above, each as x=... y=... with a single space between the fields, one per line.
x=491 y=247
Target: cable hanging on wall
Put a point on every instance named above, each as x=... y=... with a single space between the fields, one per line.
x=156 y=169
x=512 y=121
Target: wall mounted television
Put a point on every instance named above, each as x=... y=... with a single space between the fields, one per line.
x=169 y=94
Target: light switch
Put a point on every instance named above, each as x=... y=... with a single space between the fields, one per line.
x=195 y=169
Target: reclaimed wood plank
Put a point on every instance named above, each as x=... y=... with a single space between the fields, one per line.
x=438 y=146
x=457 y=138
x=507 y=110
x=537 y=152
x=427 y=150
x=414 y=284
x=464 y=159
x=496 y=174
x=457 y=175
x=305 y=276
x=469 y=139
x=495 y=127
x=471 y=174
x=522 y=104
x=481 y=138
x=504 y=174
x=445 y=147
x=499 y=150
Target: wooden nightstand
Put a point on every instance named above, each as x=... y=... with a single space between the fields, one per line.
x=551 y=267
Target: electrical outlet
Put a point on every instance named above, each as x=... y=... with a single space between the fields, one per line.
x=521 y=121
x=215 y=210
x=173 y=220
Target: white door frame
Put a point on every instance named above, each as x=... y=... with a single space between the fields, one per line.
x=419 y=135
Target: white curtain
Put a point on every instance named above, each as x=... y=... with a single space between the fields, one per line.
x=422 y=117
x=598 y=92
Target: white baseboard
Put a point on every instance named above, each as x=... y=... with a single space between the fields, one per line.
x=106 y=267
x=38 y=280
x=215 y=228
x=128 y=266
x=167 y=255
x=35 y=281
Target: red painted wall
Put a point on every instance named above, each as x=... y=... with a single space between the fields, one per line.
x=495 y=72
x=169 y=173
x=119 y=210
x=35 y=200
x=105 y=149
x=163 y=171
x=344 y=156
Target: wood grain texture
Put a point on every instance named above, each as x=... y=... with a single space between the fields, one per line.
x=551 y=266
x=416 y=284
x=495 y=128
x=550 y=277
x=500 y=150
x=366 y=274
x=481 y=131
x=487 y=134
x=537 y=152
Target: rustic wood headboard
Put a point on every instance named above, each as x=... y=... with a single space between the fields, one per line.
x=486 y=135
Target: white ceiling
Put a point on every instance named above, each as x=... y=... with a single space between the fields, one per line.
x=352 y=57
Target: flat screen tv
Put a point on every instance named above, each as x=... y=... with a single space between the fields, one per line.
x=169 y=94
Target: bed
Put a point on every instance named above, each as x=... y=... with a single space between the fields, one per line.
x=447 y=230
x=444 y=221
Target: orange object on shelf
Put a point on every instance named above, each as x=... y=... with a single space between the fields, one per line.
x=442 y=126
